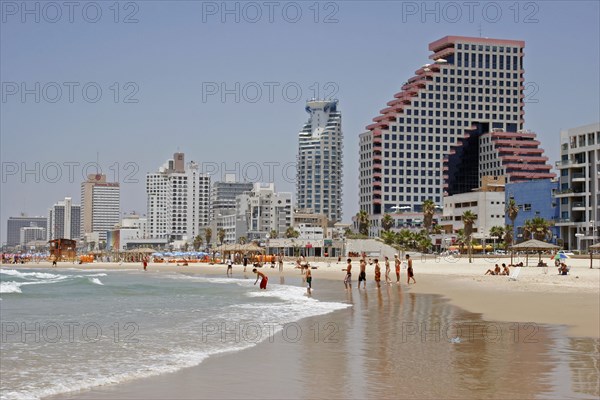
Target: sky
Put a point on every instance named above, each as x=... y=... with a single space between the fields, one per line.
x=121 y=86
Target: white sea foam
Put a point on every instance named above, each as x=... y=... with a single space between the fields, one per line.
x=96 y=281
x=30 y=275
x=10 y=287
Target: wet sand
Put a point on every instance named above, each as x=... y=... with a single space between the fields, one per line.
x=393 y=343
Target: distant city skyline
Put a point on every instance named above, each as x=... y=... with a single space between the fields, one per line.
x=129 y=90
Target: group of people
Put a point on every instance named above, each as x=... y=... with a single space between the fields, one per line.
x=497 y=271
x=362 y=274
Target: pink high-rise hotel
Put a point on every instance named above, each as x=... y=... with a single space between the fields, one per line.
x=459 y=118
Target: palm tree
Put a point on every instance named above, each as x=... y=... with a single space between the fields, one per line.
x=290 y=233
x=538 y=228
x=387 y=222
x=388 y=237
x=243 y=240
x=497 y=231
x=208 y=236
x=468 y=219
x=221 y=235
x=363 y=222
x=428 y=211
x=512 y=211
x=197 y=243
x=461 y=239
x=273 y=234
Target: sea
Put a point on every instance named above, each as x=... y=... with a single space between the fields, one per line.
x=64 y=330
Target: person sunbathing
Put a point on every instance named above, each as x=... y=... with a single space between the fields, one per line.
x=496 y=271
x=505 y=270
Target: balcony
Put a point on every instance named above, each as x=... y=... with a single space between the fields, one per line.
x=578 y=206
x=578 y=177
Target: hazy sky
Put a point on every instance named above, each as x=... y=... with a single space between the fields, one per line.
x=131 y=83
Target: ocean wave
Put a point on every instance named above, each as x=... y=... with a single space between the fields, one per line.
x=96 y=281
x=30 y=275
x=10 y=287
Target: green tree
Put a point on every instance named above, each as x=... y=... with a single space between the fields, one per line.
x=468 y=219
x=497 y=231
x=428 y=212
x=387 y=222
x=537 y=228
x=291 y=233
x=208 y=236
x=197 y=243
x=243 y=240
x=388 y=237
x=273 y=234
x=512 y=211
x=362 y=219
x=221 y=235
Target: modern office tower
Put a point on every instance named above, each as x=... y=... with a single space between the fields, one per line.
x=14 y=225
x=178 y=198
x=100 y=205
x=319 y=169
x=223 y=194
x=264 y=210
x=473 y=86
x=579 y=186
x=64 y=220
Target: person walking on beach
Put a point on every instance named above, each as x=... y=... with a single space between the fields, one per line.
x=377 y=273
x=309 y=280
x=362 y=275
x=245 y=261
x=410 y=273
x=280 y=261
x=348 y=278
x=229 y=266
x=145 y=263
x=388 y=280
x=263 y=281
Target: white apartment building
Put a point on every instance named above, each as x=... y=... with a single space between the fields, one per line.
x=487 y=206
x=263 y=210
x=178 y=198
x=579 y=186
x=100 y=205
x=320 y=161
x=64 y=220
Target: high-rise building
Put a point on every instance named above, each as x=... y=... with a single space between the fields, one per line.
x=178 y=197
x=264 y=210
x=14 y=225
x=319 y=169
x=100 y=205
x=579 y=186
x=472 y=87
x=223 y=194
x=64 y=220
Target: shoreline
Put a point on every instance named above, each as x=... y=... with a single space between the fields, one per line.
x=572 y=300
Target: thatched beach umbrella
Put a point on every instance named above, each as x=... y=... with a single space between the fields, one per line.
x=534 y=245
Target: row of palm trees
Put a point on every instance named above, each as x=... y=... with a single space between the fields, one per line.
x=535 y=228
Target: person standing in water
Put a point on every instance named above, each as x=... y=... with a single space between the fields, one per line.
x=348 y=278
x=410 y=272
x=229 y=266
x=309 y=280
x=388 y=280
x=362 y=275
x=263 y=281
x=397 y=265
x=377 y=273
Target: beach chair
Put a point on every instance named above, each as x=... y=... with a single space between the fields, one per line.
x=514 y=274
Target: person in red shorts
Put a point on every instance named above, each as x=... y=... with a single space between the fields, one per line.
x=264 y=279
